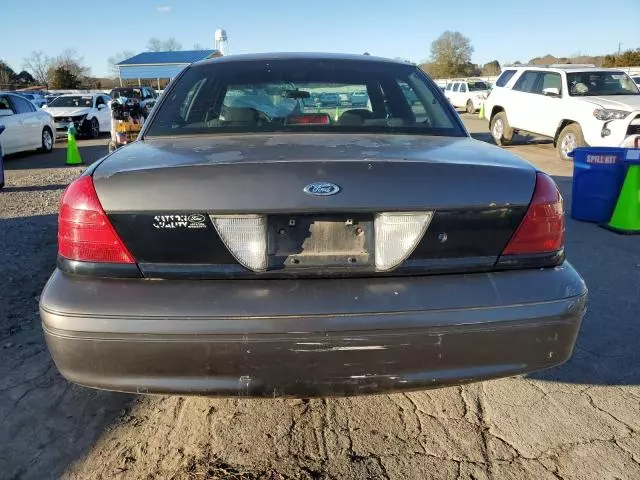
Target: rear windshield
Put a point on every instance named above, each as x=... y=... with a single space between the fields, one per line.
x=589 y=84
x=303 y=95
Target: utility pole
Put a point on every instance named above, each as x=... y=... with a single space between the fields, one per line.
x=619 y=45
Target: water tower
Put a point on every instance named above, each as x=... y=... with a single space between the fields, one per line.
x=222 y=42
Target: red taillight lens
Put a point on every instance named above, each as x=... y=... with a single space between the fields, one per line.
x=84 y=231
x=314 y=119
x=542 y=229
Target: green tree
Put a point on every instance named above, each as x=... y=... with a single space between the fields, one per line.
x=62 y=77
x=630 y=58
x=7 y=75
x=491 y=68
x=451 y=55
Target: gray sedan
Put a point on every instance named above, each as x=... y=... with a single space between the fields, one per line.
x=255 y=249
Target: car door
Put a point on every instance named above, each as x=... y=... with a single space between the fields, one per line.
x=453 y=96
x=522 y=102
x=546 y=110
x=29 y=120
x=12 y=138
x=102 y=113
x=462 y=95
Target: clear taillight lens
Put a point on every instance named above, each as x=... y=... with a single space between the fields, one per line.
x=246 y=238
x=397 y=234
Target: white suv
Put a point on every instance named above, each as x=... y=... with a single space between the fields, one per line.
x=574 y=105
x=467 y=93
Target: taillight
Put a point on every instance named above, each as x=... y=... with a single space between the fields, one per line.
x=84 y=231
x=542 y=229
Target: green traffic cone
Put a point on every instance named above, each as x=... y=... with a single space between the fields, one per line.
x=73 y=154
x=337 y=114
x=481 y=112
x=626 y=216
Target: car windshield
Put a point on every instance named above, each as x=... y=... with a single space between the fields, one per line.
x=589 y=84
x=127 y=93
x=477 y=86
x=303 y=95
x=72 y=101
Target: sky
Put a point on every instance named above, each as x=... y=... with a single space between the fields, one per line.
x=506 y=31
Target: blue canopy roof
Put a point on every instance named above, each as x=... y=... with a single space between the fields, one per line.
x=161 y=64
x=162 y=58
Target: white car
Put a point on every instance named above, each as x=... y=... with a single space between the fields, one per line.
x=574 y=105
x=26 y=126
x=37 y=99
x=88 y=113
x=467 y=93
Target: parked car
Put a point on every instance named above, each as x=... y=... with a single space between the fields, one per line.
x=26 y=126
x=328 y=99
x=291 y=255
x=36 y=98
x=88 y=113
x=359 y=98
x=467 y=93
x=146 y=95
x=574 y=105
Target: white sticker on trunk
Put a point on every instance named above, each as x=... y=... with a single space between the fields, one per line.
x=190 y=221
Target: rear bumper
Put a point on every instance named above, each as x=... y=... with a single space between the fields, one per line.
x=348 y=336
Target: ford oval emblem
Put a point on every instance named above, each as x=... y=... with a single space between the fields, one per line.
x=322 y=189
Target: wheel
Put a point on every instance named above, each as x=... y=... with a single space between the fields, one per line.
x=500 y=129
x=47 y=140
x=569 y=139
x=94 y=128
x=470 y=108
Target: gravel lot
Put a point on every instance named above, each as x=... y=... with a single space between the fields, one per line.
x=578 y=421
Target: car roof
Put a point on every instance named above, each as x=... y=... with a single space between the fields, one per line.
x=261 y=57
x=564 y=68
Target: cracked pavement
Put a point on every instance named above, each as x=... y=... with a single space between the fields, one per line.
x=577 y=421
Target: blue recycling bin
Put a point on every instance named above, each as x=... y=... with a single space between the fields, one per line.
x=598 y=174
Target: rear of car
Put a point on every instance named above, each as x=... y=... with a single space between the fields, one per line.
x=259 y=250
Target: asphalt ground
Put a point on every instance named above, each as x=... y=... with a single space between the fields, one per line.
x=578 y=421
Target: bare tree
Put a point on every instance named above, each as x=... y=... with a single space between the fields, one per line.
x=451 y=55
x=38 y=64
x=118 y=57
x=70 y=60
x=198 y=46
x=169 y=45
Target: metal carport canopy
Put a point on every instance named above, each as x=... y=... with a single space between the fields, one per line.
x=151 y=65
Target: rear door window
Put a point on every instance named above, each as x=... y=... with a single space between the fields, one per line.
x=504 y=78
x=456 y=87
x=21 y=105
x=449 y=87
x=463 y=87
x=527 y=81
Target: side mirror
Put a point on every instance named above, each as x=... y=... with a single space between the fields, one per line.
x=5 y=112
x=551 y=91
x=102 y=106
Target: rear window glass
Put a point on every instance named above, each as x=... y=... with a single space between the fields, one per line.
x=504 y=78
x=303 y=95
